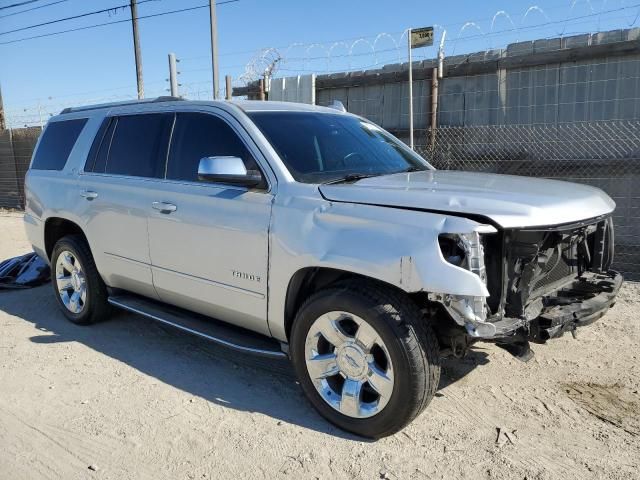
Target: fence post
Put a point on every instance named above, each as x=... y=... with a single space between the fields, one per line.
x=3 y=124
x=19 y=191
x=410 y=89
x=173 y=75
x=434 y=106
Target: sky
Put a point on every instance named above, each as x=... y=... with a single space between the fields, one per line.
x=41 y=76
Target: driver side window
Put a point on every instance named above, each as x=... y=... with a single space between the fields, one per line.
x=199 y=135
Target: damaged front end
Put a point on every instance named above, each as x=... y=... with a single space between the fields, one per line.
x=542 y=282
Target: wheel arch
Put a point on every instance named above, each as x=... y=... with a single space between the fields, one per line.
x=310 y=279
x=57 y=227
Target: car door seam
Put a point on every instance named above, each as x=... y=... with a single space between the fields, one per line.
x=166 y=160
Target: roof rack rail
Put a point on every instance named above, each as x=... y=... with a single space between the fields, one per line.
x=164 y=98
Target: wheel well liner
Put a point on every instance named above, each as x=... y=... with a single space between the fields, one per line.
x=55 y=228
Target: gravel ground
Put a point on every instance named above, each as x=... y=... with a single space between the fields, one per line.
x=127 y=399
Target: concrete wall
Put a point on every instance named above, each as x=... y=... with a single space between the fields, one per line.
x=556 y=85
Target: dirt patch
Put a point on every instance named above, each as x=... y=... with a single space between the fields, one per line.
x=613 y=404
x=126 y=399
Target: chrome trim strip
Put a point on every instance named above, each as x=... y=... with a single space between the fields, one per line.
x=127 y=259
x=161 y=181
x=113 y=133
x=242 y=348
x=224 y=115
x=166 y=160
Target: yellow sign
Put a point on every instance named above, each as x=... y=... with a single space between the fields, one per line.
x=421 y=37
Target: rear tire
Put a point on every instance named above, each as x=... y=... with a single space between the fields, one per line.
x=393 y=380
x=78 y=287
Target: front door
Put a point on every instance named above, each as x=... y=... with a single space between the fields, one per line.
x=209 y=242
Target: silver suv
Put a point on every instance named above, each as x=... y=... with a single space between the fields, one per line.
x=300 y=231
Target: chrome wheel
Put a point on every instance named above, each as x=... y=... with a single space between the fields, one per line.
x=71 y=282
x=349 y=364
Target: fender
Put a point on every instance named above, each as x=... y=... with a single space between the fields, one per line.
x=396 y=246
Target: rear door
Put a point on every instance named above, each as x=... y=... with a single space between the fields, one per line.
x=210 y=253
x=128 y=157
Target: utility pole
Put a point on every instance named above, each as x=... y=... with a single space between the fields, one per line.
x=228 y=88
x=136 y=47
x=3 y=124
x=214 y=47
x=40 y=115
x=173 y=75
x=410 y=89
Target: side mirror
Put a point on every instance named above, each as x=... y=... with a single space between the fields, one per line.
x=230 y=170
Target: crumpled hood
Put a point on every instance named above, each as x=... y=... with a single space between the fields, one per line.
x=508 y=200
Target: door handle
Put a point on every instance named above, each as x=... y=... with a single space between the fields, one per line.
x=164 y=207
x=88 y=194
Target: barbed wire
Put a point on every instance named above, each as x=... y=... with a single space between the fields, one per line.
x=483 y=31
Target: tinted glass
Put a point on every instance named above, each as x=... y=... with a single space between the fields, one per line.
x=139 y=145
x=55 y=146
x=198 y=135
x=100 y=147
x=318 y=147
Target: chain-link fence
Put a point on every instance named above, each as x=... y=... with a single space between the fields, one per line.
x=602 y=154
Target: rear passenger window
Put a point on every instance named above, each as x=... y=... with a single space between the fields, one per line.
x=139 y=146
x=199 y=135
x=56 y=143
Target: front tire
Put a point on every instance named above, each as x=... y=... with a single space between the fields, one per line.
x=78 y=287
x=365 y=357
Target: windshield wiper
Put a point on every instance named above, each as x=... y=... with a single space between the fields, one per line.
x=351 y=177
x=412 y=169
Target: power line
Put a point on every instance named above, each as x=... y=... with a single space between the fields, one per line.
x=305 y=44
x=115 y=22
x=18 y=4
x=65 y=19
x=33 y=8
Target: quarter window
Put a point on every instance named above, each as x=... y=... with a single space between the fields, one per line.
x=97 y=160
x=199 y=135
x=139 y=145
x=55 y=146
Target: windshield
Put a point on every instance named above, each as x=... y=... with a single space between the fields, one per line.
x=322 y=147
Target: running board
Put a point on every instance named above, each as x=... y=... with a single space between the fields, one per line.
x=214 y=330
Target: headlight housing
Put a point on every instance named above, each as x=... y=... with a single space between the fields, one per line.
x=466 y=250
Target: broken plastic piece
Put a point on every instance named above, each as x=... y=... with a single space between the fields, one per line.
x=24 y=272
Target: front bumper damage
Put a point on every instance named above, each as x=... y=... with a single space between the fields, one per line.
x=581 y=303
x=550 y=281
x=578 y=303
